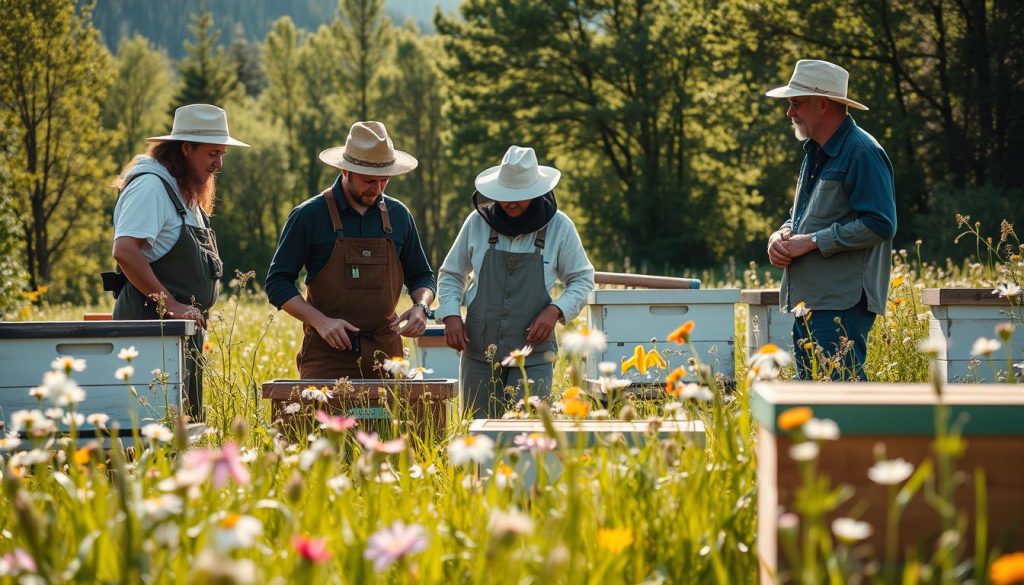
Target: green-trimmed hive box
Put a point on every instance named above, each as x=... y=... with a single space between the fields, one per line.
x=902 y=418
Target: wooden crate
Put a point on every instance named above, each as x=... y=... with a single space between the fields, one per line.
x=630 y=317
x=430 y=351
x=28 y=348
x=369 y=401
x=958 y=318
x=902 y=417
x=586 y=432
x=766 y=323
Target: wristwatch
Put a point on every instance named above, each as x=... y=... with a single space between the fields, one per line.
x=426 y=309
x=814 y=238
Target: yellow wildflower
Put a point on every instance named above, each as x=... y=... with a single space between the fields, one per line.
x=671 y=388
x=1008 y=569
x=794 y=418
x=572 y=393
x=614 y=540
x=681 y=334
x=898 y=280
x=576 y=408
x=81 y=456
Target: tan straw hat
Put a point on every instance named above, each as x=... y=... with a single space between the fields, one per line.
x=518 y=177
x=819 y=78
x=368 y=151
x=200 y=123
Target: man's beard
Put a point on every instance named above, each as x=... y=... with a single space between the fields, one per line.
x=799 y=133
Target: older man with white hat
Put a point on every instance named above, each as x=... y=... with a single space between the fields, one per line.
x=166 y=252
x=358 y=246
x=835 y=246
x=517 y=245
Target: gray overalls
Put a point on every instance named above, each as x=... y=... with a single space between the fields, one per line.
x=190 y=270
x=509 y=295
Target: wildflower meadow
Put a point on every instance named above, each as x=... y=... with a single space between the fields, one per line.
x=330 y=499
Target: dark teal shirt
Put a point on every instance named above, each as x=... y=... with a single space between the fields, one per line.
x=307 y=241
x=845 y=197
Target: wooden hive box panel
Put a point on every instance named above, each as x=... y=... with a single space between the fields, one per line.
x=901 y=416
x=426 y=401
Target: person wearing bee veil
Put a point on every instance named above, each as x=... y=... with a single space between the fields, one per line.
x=510 y=252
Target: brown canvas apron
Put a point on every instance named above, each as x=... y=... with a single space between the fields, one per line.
x=190 y=270
x=361 y=284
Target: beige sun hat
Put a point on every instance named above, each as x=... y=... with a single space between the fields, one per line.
x=820 y=78
x=518 y=177
x=200 y=123
x=368 y=150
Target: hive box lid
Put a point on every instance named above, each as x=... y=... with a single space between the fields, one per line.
x=895 y=409
x=77 y=329
x=663 y=297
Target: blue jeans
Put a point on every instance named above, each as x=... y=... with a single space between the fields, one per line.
x=854 y=324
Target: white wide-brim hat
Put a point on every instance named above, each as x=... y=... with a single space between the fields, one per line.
x=820 y=78
x=518 y=177
x=200 y=123
x=369 y=151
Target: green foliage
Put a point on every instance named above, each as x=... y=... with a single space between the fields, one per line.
x=413 y=94
x=248 y=217
x=207 y=73
x=645 y=104
x=363 y=29
x=12 y=276
x=54 y=75
x=136 y=106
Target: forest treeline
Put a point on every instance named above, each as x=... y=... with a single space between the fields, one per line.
x=654 y=110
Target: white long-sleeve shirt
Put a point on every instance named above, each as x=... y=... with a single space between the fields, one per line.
x=565 y=261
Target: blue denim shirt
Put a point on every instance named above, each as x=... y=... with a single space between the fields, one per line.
x=845 y=196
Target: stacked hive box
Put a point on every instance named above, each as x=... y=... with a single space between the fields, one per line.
x=631 y=317
x=28 y=348
x=958 y=318
x=766 y=323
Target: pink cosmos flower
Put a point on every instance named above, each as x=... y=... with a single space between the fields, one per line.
x=335 y=424
x=389 y=545
x=222 y=464
x=312 y=550
x=372 y=442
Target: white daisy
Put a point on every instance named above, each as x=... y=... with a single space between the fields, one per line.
x=477 y=449
x=890 y=472
x=849 y=530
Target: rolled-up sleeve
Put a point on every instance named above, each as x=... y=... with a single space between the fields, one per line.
x=453 y=275
x=869 y=183
x=291 y=255
x=575 y=271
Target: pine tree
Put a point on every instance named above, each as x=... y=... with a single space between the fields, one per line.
x=364 y=29
x=207 y=74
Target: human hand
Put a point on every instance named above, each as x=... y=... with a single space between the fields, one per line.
x=415 y=322
x=542 y=326
x=799 y=245
x=455 y=333
x=778 y=254
x=176 y=310
x=336 y=332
